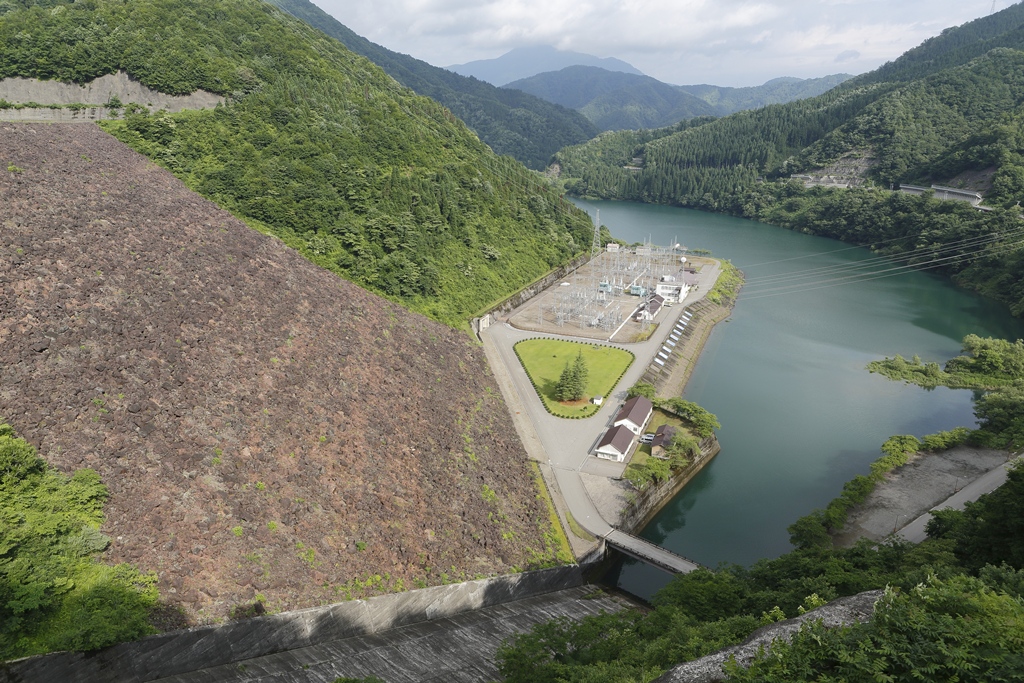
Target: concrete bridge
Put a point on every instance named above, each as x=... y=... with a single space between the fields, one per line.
x=650 y=553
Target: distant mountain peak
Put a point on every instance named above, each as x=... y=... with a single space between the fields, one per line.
x=523 y=62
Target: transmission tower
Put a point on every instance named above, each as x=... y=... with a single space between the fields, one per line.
x=595 y=245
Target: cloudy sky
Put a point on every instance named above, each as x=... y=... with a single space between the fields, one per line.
x=724 y=42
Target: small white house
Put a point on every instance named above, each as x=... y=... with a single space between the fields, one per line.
x=650 y=309
x=672 y=292
x=635 y=414
x=597 y=400
x=616 y=444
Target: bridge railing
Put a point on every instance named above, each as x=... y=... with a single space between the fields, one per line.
x=636 y=547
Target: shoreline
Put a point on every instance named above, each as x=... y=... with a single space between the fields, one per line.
x=675 y=385
x=926 y=482
x=616 y=499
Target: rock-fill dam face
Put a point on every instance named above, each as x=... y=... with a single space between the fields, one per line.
x=265 y=428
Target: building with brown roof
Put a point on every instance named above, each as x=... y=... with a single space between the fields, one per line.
x=662 y=438
x=635 y=413
x=616 y=444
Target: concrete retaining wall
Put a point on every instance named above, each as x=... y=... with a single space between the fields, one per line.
x=649 y=501
x=58 y=115
x=99 y=91
x=527 y=293
x=181 y=652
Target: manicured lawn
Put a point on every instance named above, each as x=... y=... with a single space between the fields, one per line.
x=636 y=471
x=658 y=418
x=544 y=360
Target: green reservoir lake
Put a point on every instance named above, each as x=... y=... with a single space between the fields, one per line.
x=786 y=377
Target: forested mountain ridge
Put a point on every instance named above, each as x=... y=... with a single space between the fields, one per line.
x=511 y=122
x=623 y=101
x=317 y=145
x=614 y=100
x=956 y=122
x=728 y=100
x=523 y=62
x=954 y=46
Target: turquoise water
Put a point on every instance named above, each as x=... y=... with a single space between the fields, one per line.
x=785 y=375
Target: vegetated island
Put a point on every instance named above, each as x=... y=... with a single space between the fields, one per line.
x=987 y=364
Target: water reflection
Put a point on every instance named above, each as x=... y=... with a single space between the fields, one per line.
x=800 y=413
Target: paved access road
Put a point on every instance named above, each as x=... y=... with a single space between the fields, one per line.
x=987 y=483
x=566 y=444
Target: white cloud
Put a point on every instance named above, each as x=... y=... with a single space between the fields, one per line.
x=726 y=42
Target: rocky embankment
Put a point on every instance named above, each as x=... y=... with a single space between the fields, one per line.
x=264 y=427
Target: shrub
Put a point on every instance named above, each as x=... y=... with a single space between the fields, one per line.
x=54 y=594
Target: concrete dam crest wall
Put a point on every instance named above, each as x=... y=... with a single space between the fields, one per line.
x=204 y=647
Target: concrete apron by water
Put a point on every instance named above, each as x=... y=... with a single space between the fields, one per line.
x=181 y=652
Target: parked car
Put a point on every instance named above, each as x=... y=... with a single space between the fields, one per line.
x=647 y=438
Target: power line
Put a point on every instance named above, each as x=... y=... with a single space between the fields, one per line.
x=867 y=245
x=930 y=251
x=865 y=277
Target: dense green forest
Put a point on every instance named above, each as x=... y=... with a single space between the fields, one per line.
x=961 y=119
x=948 y=110
x=728 y=100
x=614 y=100
x=953 y=607
x=930 y=593
x=54 y=593
x=317 y=146
x=525 y=127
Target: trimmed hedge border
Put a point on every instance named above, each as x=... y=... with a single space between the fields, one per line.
x=515 y=347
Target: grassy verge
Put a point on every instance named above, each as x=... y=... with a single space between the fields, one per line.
x=544 y=360
x=577 y=530
x=554 y=535
x=727 y=287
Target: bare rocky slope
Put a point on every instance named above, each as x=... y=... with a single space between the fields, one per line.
x=264 y=427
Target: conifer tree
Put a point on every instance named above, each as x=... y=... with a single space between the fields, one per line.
x=580 y=374
x=564 y=387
